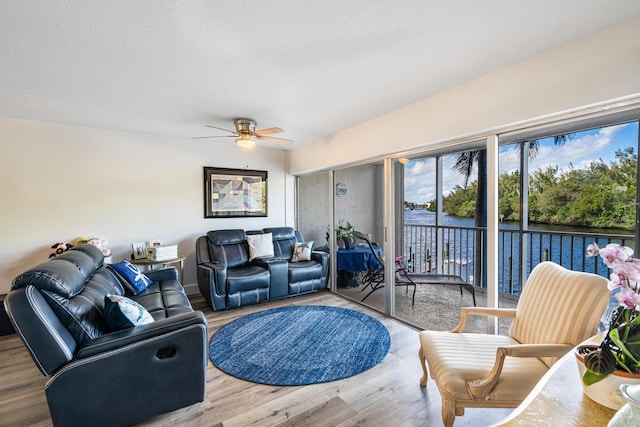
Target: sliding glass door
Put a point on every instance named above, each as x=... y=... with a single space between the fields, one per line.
x=472 y=220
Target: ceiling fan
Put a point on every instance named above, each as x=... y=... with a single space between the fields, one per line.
x=246 y=133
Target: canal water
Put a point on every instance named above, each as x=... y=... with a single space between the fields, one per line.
x=565 y=245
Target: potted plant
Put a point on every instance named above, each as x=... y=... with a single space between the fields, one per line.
x=345 y=234
x=618 y=354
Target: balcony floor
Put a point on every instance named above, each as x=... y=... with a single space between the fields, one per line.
x=437 y=307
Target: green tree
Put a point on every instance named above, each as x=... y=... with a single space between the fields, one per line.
x=509 y=195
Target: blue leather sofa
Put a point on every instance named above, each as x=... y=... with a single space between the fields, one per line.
x=103 y=378
x=228 y=279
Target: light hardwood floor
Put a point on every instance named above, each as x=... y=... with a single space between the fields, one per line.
x=387 y=395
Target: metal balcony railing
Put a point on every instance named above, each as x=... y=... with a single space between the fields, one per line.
x=451 y=250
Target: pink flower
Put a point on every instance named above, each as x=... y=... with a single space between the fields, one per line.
x=625 y=272
x=628 y=298
x=614 y=253
x=592 y=250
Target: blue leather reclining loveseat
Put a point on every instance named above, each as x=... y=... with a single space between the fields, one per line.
x=228 y=278
x=98 y=377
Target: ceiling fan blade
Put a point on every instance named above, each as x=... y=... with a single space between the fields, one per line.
x=217 y=136
x=226 y=130
x=268 y=131
x=273 y=139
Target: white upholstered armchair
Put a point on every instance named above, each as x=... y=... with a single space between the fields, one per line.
x=557 y=310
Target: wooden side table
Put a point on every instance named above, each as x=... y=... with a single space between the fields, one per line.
x=152 y=263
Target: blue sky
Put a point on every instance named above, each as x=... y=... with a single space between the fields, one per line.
x=583 y=148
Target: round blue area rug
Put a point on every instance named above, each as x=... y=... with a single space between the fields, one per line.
x=299 y=345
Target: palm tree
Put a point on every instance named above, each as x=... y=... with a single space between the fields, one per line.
x=464 y=164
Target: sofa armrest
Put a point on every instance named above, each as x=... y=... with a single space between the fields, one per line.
x=129 y=336
x=166 y=273
x=323 y=258
x=145 y=378
x=212 y=278
x=320 y=256
x=278 y=275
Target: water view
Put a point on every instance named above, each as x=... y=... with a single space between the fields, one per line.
x=565 y=245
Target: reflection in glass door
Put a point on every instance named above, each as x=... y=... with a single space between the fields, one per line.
x=358 y=207
x=314 y=207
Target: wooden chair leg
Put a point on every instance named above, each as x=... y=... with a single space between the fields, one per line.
x=448 y=411
x=425 y=376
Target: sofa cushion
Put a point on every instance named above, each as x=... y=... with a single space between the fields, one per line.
x=133 y=279
x=164 y=299
x=260 y=246
x=228 y=247
x=82 y=315
x=123 y=313
x=64 y=275
x=247 y=279
x=304 y=270
x=284 y=240
x=302 y=251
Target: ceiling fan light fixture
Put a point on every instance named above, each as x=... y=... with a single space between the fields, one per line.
x=245 y=141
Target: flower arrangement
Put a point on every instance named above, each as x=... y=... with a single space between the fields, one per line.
x=620 y=348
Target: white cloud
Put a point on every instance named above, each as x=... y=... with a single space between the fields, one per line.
x=577 y=151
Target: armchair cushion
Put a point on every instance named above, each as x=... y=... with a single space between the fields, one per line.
x=260 y=246
x=134 y=280
x=122 y=313
x=302 y=251
x=472 y=356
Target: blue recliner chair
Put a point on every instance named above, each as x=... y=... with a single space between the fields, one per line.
x=226 y=278
x=302 y=276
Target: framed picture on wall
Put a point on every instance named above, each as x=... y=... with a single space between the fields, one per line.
x=234 y=193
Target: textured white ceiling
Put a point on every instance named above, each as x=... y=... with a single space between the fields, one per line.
x=312 y=68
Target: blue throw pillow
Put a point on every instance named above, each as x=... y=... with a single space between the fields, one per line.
x=123 y=313
x=133 y=277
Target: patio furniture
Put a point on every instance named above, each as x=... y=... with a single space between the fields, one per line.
x=375 y=276
x=557 y=310
x=444 y=279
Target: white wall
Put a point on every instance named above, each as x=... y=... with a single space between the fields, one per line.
x=602 y=66
x=60 y=182
x=361 y=206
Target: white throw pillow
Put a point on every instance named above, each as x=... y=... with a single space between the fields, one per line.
x=122 y=313
x=302 y=251
x=260 y=245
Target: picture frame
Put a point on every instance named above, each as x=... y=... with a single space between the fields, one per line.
x=230 y=193
x=140 y=250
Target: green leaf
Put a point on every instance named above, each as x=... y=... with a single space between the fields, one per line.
x=591 y=378
x=614 y=335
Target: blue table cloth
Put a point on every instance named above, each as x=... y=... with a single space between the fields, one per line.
x=358 y=259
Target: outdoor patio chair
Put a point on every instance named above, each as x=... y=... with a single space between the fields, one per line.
x=557 y=310
x=375 y=277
